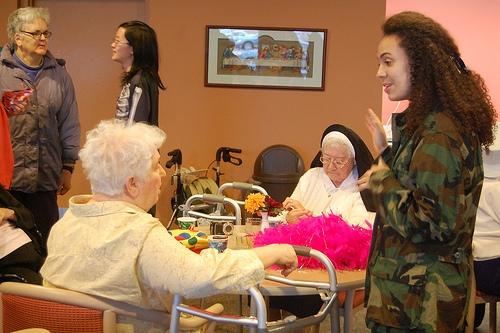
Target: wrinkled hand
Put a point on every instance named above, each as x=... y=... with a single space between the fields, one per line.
x=7 y=214
x=18 y=106
x=376 y=129
x=290 y=204
x=287 y=259
x=295 y=210
x=282 y=255
x=364 y=181
x=295 y=214
x=64 y=182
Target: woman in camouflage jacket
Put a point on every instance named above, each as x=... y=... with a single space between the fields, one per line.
x=427 y=185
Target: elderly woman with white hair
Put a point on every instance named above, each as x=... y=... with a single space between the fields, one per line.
x=108 y=245
x=332 y=186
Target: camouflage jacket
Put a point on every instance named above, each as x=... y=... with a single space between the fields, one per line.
x=420 y=260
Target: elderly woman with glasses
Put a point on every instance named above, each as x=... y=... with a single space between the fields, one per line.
x=331 y=186
x=46 y=136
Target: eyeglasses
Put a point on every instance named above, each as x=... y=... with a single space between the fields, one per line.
x=118 y=42
x=38 y=34
x=339 y=163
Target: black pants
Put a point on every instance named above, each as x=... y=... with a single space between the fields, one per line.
x=488 y=276
x=22 y=265
x=300 y=306
x=488 y=281
x=43 y=206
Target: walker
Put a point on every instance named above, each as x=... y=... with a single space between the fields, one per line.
x=257 y=320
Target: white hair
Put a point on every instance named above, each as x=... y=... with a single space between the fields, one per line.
x=114 y=152
x=336 y=138
x=25 y=15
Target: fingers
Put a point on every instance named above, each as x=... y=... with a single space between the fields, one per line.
x=286 y=271
x=289 y=260
x=296 y=214
x=287 y=203
x=377 y=131
x=290 y=204
x=18 y=105
x=363 y=181
x=64 y=182
x=7 y=214
x=63 y=190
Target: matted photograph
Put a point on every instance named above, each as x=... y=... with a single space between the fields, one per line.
x=256 y=57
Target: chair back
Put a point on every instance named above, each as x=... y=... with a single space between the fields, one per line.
x=278 y=169
x=24 y=306
x=23 y=312
x=63 y=311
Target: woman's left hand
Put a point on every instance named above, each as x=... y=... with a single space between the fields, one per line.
x=364 y=181
x=64 y=182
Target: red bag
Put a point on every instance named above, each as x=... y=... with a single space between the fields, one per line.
x=6 y=155
x=9 y=97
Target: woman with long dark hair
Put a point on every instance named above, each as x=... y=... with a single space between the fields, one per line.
x=426 y=187
x=135 y=47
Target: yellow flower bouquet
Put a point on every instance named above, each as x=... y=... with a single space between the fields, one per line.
x=258 y=202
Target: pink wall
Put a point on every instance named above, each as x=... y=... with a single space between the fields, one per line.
x=474 y=25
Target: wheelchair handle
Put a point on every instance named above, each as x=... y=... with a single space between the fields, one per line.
x=241 y=186
x=213 y=198
x=175 y=159
x=303 y=251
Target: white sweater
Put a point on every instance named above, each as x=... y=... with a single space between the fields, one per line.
x=318 y=194
x=116 y=250
x=486 y=241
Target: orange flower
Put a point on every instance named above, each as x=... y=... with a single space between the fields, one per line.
x=255 y=202
x=258 y=202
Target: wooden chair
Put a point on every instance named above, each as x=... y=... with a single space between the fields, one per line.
x=25 y=306
x=492 y=301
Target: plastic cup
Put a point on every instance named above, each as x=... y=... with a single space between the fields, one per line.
x=252 y=225
x=218 y=242
x=185 y=222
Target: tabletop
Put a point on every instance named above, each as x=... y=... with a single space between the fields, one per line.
x=346 y=281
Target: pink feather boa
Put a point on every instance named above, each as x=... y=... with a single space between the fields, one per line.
x=347 y=246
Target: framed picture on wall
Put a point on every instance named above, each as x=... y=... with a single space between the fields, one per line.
x=254 y=57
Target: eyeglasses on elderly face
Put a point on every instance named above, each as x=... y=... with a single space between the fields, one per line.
x=38 y=34
x=338 y=162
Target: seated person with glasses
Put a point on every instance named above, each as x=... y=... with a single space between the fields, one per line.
x=331 y=186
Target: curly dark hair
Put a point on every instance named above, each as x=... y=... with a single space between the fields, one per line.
x=439 y=78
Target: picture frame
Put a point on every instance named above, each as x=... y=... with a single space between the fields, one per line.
x=258 y=57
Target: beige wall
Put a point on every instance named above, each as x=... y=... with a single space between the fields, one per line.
x=6 y=7
x=200 y=119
